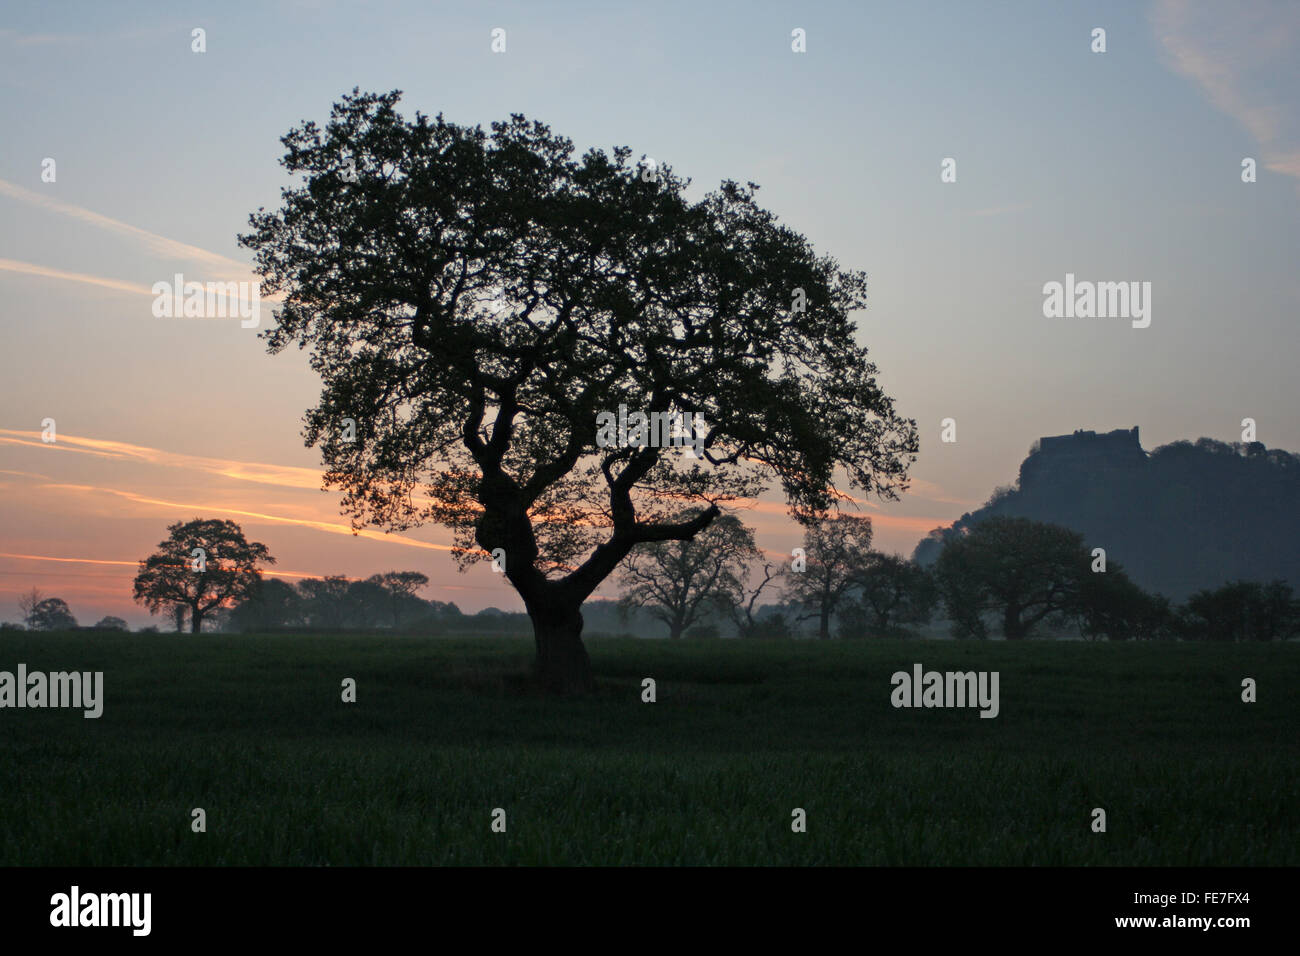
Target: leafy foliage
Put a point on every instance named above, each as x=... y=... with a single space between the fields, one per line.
x=51 y=614
x=473 y=300
x=168 y=579
x=837 y=548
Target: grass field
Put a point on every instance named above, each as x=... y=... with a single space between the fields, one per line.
x=252 y=729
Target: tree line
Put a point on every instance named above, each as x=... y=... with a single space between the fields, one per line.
x=1009 y=575
x=1014 y=576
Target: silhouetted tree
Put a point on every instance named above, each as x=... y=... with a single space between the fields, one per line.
x=1111 y=605
x=681 y=582
x=399 y=589
x=1242 y=611
x=893 y=590
x=744 y=611
x=28 y=600
x=203 y=565
x=51 y=614
x=836 y=549
x=111 y=623
x=325 y=601
x=1277 y=616
x=445 y=611
x=366 y=604
x=1021 y=570
x=473 y=302
x=273 y=604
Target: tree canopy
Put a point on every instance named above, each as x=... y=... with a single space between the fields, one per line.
x=473 y=301
x=51 y=614
x=836 y=551
x=203 y=565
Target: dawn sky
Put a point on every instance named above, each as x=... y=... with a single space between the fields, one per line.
x=1117 y=166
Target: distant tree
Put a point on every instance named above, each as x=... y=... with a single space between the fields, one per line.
x=894 y=591
x=325 y=601
x=771 y=623
x=1242 y=611
x=203 y=564
x=836 y=549
x=1163 y=511
x=1111 y=605
x=28 y=600
x=445 y=610
x=179 y=613
x=1278 y=614
x=475 y=301
x=399 y=589
x=111 y=623
x=744 y=612
x=681 y=582
x=51 y=614
x=272 y=605
x=366 y=605
x=1021 y=570
x=11 y=626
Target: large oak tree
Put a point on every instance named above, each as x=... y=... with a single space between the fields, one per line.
x=473 y=300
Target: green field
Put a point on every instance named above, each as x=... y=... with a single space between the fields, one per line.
x=252 y=729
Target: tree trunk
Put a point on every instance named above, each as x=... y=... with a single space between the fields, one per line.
x=562 y=663
x=1012 y=629
x=825 y=623
x=196 y=620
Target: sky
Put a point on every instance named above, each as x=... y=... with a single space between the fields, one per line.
x=1117 y=166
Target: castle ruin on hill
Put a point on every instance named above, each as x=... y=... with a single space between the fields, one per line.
x=1082 y=453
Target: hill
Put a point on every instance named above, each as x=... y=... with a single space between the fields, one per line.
x=1184 y=517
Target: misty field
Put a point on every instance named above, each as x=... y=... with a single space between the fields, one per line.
x=253 y=730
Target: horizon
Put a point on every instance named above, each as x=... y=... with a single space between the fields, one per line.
x=138 y=617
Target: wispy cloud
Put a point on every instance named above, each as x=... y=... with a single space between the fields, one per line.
x=285 y=476
x=1245 y=58
x=160 y=245
x=45 y=272
x=42 y=557
x=331 y=527
x=920 y=524
x=133 y=565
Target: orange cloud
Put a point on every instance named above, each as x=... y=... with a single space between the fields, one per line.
x=133 y=565
x=45 y=272
x=327 y=526
x=286 y=476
